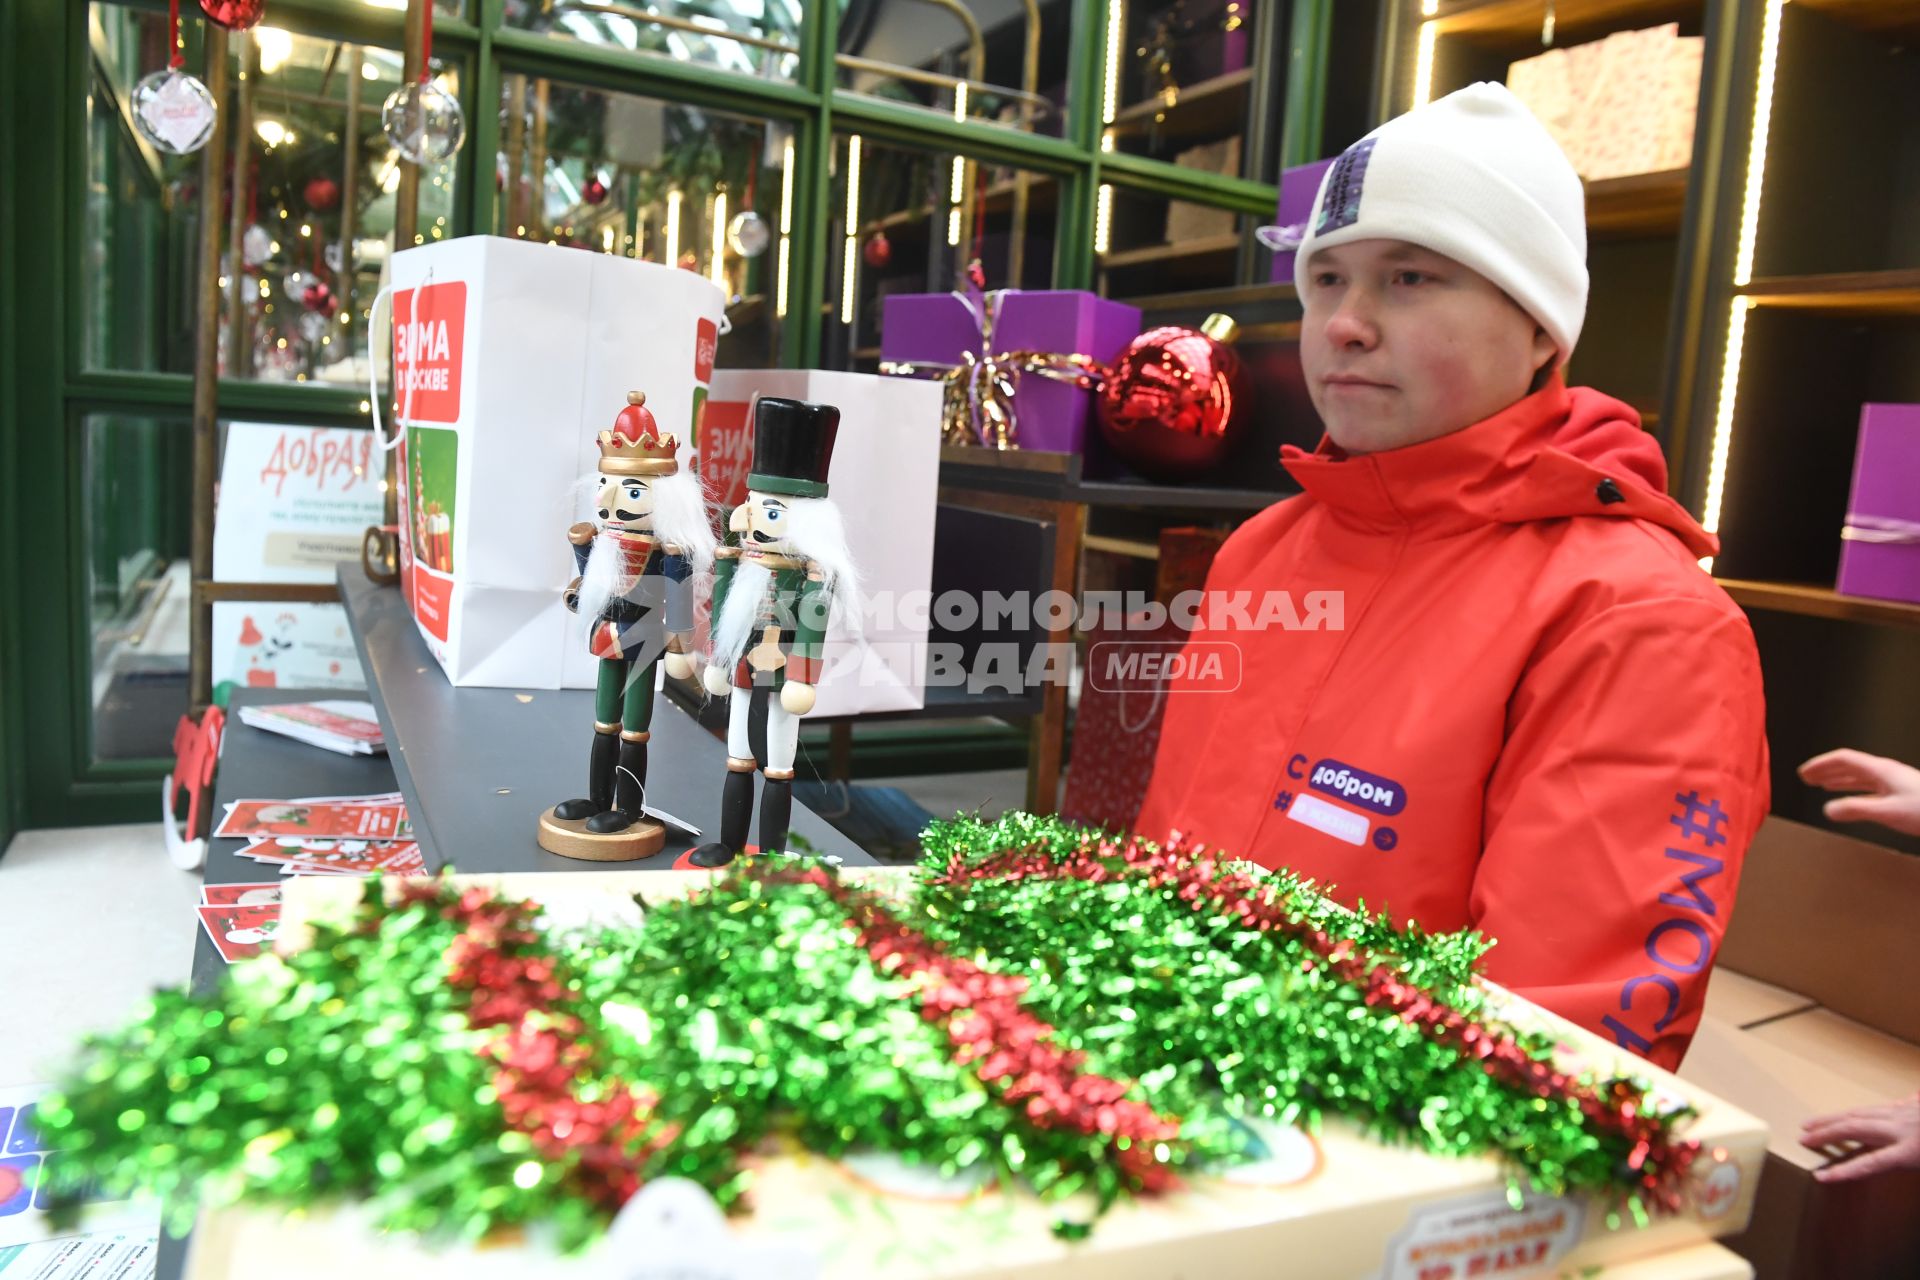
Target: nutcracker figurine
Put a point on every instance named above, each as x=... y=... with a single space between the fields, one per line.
x=637 y=570
x=774 y=586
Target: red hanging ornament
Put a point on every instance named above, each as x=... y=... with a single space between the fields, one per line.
x=234 y=15
x=689 y=261
x=322 y=195
x=594 y=191
x=1166 y=408
x=318 y=296
x=877 y=252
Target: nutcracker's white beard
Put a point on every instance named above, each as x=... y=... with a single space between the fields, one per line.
x=815 y=533
x=601 y=582
x=733 y=629
x=679 y=519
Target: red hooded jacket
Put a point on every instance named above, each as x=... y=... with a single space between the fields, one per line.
x=1533 y=714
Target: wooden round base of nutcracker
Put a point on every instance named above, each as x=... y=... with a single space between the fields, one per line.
x=643 y=839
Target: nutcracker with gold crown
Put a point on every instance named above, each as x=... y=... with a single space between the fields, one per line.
x=785 y=571
x=637 y=568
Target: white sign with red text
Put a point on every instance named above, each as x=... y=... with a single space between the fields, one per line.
x=294 y=501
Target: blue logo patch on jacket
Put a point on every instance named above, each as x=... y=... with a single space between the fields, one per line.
x=1358 y=787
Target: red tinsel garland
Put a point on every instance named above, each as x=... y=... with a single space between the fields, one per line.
x=540 y=1053
x=1662 y=1161
x=1007 y=1046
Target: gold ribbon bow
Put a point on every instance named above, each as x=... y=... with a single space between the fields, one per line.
x=977 y=402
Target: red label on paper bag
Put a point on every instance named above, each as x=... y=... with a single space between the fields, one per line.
x=704 y=347
x=726 y=440
x=429 y=330
x=432 y=600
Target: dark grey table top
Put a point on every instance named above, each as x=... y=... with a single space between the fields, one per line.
x=479 y=766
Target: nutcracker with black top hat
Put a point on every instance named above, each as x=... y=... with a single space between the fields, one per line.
x=637 y=565
x=786 y=570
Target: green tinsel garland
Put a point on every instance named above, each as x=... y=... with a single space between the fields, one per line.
x=349 y=1071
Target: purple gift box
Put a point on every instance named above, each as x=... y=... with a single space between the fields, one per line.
x=934 y=328
x=1298 y=187
x=1880 y=547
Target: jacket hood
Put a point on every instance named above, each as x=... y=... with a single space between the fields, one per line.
x=1558 y=453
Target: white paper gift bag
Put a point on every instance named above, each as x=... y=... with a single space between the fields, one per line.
x=885 y=478
x=509 y=359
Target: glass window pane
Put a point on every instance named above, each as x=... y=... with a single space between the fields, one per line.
x=918 y=218
x=310 y=199
x=751 y=37
x=136 y=482
x=1183 y=81
x=1145 y=244
x=658 y=181
x=996 y=60
x=138 y=251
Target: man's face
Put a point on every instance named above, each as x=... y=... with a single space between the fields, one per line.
x=762 y=520
x=1401 y=344
x=624 y=501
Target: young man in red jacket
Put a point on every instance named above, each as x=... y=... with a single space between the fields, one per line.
x=1532 y=713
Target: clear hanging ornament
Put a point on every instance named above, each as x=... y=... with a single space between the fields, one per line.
x=256 y=245
x=748 y=234
x=313 y=326
x=174 y=111
x=423 y=122
x=295 y=282
x=336 y=260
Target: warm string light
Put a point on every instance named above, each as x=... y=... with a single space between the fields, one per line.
x=851 y=263
x=959 y=185
x=718 y=267
x=673 y=227
x=1423 y=66
x=1110 y=89
x=786 y=225
x=1729 y=400
x=275 y=47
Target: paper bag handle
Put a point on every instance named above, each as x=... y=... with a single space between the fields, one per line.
x=388 y=443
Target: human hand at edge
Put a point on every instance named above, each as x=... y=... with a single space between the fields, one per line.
x=1890 y=790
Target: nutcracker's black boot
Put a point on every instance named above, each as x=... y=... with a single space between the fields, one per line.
x=776 y=811
x=629 y=790
x=606 y=748
x=736 y=811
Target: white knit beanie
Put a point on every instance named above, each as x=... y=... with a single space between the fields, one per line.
x=1476 y=177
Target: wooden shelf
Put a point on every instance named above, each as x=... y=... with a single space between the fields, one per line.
x=1898 y=18
x=1854 y=293
x=1226 y=299
x=1185 y=251
x=1217 y=106
x=1575 y=21
x=1042 y=194
x=1820 y=602
x=1642 y=204
x=895 y=221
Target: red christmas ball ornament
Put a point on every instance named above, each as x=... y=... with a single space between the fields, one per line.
x=689 y=261
x=318 y=296
x=234 y=15
x=877 y=252
x=322 y=195
x=594 y=191
x=1166 y=408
